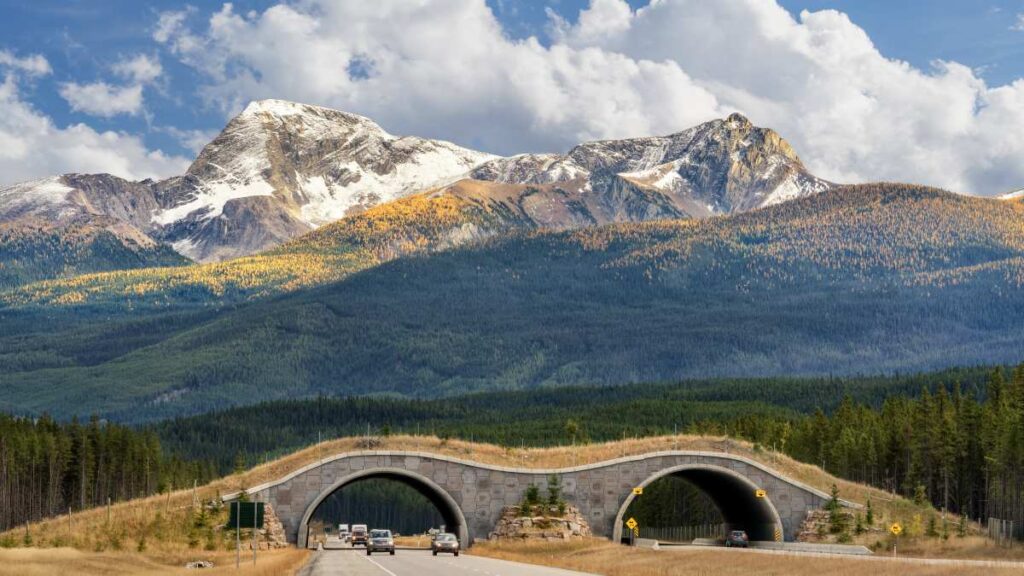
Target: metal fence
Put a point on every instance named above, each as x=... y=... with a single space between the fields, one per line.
x=1001 y=531
x=682 y=534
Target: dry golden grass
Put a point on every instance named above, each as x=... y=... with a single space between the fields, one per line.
x=419 y=541
x=40 y=561
x=603 y=557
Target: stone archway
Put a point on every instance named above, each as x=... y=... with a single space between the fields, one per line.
x=733 y=494
x=445 y=504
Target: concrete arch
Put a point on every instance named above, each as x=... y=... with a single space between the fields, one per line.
x=476 y=493
x=733 y=495
x=441 y=499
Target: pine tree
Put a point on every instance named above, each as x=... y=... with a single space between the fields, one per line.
x=554 y=490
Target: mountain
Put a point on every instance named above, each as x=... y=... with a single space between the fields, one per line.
x=720 y=167
x=278 y=170
x=856 y=279
x=281 y=169
x=75 y=224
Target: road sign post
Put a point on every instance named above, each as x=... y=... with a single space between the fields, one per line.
x=634 y=530
x=248 y=514
x=896 y=530
x=254 y=518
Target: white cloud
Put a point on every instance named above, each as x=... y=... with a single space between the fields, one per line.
x=448 y=69
x=34 y=65
x=141 y=69
x=440 y=69
x=108 y=100
x=32 y=146
x=171 y=30
x=194 y=140
x=102 y=99
x=1019 y=25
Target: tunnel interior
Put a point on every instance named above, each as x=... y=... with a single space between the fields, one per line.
x=734 y=499
x=394 y=501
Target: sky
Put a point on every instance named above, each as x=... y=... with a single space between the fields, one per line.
x=929 y=92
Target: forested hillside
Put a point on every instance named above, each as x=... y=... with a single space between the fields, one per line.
x=866 y=279
x=537 y=417
x=422 y=222
x=37 y=250
x=48 y=468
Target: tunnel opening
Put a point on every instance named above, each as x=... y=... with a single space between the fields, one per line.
x=692 y=502
x=673 y=509
x=394 y=500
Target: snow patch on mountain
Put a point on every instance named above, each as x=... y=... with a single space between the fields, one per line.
x=427 y=166
x=1013 y=195
x=45 y=196
x=530 y=169
x=210 y=198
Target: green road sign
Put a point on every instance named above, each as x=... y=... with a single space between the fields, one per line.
x=250 y=515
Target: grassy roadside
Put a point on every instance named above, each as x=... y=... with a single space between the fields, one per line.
x=40 y=561
x=602 y=557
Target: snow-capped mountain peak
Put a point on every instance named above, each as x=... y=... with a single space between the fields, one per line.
x=318 y=165
x=722 y=166
x=280 y=169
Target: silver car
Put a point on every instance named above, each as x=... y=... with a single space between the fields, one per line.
x=380 y=541
x=445 y=543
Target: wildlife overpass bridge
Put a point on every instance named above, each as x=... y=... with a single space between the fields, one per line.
x=470 y=495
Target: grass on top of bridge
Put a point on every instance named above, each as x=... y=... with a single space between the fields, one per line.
x=163 y=526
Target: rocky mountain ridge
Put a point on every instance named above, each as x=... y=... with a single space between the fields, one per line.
x=719 y=167
x=281 y=169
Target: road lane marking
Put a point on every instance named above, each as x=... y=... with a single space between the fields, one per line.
x=374 y=562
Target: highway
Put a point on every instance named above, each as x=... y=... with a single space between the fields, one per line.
x=350 y=562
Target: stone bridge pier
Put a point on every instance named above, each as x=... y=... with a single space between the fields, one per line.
x=470 y=495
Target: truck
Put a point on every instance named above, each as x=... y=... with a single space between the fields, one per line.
x=360 y=535
x=343 y=533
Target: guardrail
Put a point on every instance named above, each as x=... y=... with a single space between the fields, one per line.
x=682 y=534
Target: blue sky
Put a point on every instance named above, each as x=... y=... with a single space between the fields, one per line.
x=83 y=40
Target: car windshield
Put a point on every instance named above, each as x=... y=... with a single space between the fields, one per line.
x=380 y=534
x=738 y=533
x=446 y=537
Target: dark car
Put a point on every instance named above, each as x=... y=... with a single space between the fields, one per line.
x=738 y=539
x=445 y=543
x=380 y=541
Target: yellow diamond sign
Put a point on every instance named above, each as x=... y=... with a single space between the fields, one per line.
x=896 y=529
x=638 y=490
x=631 y=523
